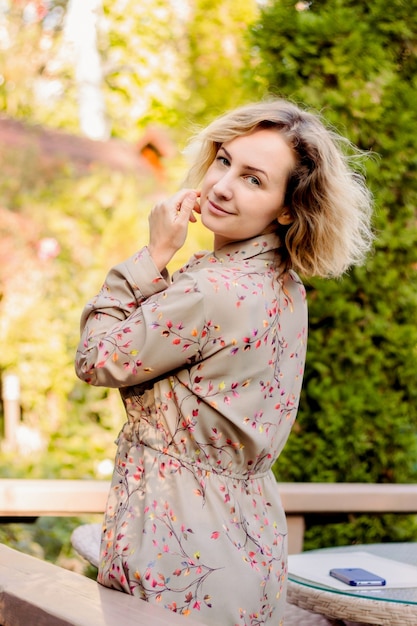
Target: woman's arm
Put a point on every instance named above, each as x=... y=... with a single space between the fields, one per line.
x=139 y=326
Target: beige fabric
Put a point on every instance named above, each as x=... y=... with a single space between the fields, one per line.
x=86 y=541
x=210 y=369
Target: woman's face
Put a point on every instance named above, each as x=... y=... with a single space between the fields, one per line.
x=243 y=191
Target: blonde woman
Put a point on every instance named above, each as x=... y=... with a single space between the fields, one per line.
x=210 y=362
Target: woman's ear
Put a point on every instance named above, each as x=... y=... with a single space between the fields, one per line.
x=285 y=217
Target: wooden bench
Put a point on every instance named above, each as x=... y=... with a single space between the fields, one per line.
x=32 y=498
x=35 y=592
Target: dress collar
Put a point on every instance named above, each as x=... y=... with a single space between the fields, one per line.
x=265 y=245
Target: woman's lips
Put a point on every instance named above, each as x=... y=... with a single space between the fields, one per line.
x=216 y=209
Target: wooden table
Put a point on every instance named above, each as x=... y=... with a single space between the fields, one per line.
x=384 y=607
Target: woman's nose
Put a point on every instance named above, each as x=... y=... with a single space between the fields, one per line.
x=223 y=187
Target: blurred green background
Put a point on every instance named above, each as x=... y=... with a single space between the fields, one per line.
x=97 y=101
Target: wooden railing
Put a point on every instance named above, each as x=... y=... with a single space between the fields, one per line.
x=33 y=498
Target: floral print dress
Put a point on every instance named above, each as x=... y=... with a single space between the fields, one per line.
x=209 y=367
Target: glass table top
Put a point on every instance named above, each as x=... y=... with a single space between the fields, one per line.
x=402 y=552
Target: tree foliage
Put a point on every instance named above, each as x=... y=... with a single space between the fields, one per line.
x=356 y=63
x=217 y=57
x=174 y=63
x=142 y=45
x=36 y=81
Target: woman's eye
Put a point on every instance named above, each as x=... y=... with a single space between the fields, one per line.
x=223 y=160
x=253 y=180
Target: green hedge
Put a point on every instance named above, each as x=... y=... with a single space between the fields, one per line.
x=356 y=63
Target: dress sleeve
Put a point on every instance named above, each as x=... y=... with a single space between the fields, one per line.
x=140 y=326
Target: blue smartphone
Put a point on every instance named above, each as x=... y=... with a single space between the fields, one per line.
x=357 y=577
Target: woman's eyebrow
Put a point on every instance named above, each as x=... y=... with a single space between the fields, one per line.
x=246 y=167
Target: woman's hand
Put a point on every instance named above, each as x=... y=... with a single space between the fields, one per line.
x=168 y=225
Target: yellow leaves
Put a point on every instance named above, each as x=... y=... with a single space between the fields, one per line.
x=115 y=357
x=222 y=385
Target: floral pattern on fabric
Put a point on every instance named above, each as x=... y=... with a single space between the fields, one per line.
x=209 y=368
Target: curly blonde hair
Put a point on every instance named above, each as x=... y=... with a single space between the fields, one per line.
x=329 y=200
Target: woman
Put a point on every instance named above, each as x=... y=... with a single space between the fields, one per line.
x=210 y=364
